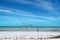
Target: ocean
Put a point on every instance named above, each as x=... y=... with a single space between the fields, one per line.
x=30 y=28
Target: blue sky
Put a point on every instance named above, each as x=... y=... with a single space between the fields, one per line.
x=35 y=12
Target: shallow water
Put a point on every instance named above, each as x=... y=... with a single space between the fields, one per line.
x=30 y=28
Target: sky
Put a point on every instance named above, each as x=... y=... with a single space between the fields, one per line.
x=34 y=12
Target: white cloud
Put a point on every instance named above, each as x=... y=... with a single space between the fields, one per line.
x=20 y=13
x=8 y=18
x=29 y=14
x=37 y=20
x=24 y=13
x=46 y=5
x=21 y=1
x=48 y=18
x=38 y=3
x=7 y=11
x=26 y=20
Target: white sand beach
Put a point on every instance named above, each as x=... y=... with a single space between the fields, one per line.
x=28 y=35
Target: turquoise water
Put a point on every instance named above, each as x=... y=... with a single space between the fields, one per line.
x=29 y=26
